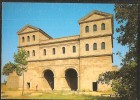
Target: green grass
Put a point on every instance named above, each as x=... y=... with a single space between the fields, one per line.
x=54 y=95
x=66 y=96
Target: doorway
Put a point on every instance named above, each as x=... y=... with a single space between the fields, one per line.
x=49 y=76
x=71 y=78
x=94 y=86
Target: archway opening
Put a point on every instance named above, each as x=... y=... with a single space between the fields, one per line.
x=49 y=76
x=71 y=78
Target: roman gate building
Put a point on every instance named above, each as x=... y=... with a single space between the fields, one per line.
x=67 y=63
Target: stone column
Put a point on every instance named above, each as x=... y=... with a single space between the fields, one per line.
x=60 y=84
x=78 y=84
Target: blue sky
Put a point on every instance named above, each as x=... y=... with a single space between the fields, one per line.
x=56 y=19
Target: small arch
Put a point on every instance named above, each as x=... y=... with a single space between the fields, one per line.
x=103 y=26
x=87 y=29
x=28 y=52
x=87 y=47
x=71 y=77
x=23 y=39
x=94 y=27
x=44 y=52
x=33 y=37
x=103 y=45
x=74 y=49
x=28 y=38
x=54 y=51
x=63 y=50
x=71 y=67
x=48 y=68
x=33 y=52
x=49 y=76
x=95 y=46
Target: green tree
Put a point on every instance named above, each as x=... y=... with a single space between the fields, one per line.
x=124 y=81
x=127 y=17
x=19 y=65
x=8 y=68
x=20 y=59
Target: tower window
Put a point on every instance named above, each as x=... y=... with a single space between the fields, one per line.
x=44 y=51
x=95 y=27
x=28 y=38
x=22 y=39
x=95 y=46
x=53 y=50
x=103 y=26
x=63 y=50
x=103 y=45
x=33 y=52
x=74 y=49
x=87 y=47
x=33 y=37
x=87 y=29
x=28 y=53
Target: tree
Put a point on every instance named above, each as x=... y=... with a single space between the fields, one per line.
x=128 y=14
x=8 y=68
x=19 y=65
x=20 y=59
x=124 y=81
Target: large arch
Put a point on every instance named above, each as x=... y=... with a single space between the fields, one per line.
x=71 y=77
x=49 y=76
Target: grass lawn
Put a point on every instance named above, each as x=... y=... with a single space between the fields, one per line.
x=16 y=94
x=62 y=96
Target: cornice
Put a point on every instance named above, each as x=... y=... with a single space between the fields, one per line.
x=28 y=32
x=60 y=41
x=53 y=59
x=58 y=45
x=78 y=39
x=94 y=20
x=28 y=45
x=35 y=30
x=69 y=58
x=20 y=31
x=95 y=12
x=98 y=36
x=95 y=55
x=49 y=43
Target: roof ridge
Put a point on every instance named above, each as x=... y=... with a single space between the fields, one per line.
x=94 y=12
x=38 y=29
x=27 y=25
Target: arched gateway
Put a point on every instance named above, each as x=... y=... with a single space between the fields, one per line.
x=49 y=76
x=71 y=78
x=63 y=63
